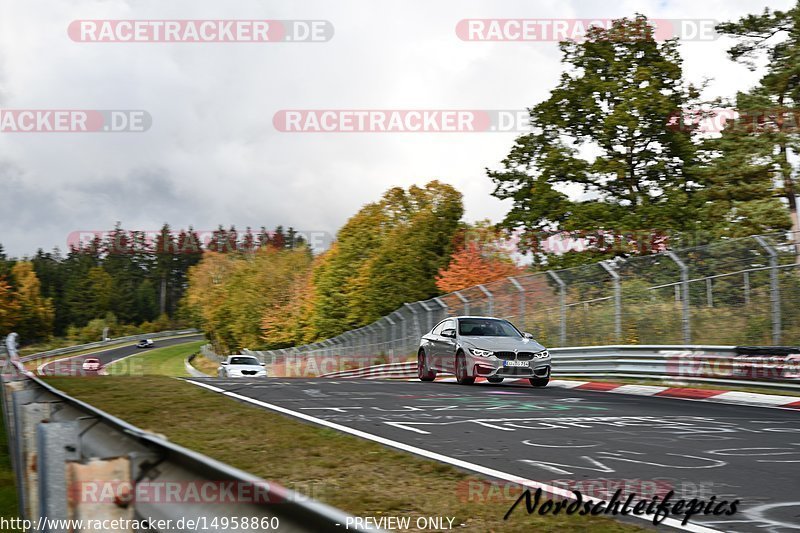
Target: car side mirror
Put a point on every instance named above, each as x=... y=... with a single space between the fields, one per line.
x=527 y=335
x=224 y=363
x=263 y=364
x=449 y=333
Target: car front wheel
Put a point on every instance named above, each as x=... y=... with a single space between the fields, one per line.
x=462 y=375
x=424 y=375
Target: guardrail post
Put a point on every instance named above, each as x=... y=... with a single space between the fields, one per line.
x=490 y=297
x=58 y=443
x=617 y=300
x=774 y=289
x=521 y=312
x=686 y=318
x=463 y=301
x=562 y=302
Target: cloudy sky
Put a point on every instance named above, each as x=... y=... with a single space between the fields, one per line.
x=212 y=155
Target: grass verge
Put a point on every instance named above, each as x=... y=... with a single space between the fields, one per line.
x=358 y=476
x=204 y=364
x=167 y=361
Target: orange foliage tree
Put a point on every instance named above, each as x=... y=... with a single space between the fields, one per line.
x=469 y=266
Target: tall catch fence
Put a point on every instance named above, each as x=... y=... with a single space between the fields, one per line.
x=735 y=292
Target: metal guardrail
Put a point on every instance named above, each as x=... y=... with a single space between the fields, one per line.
x=102 y=344
x=63 y=449
x=766 y=367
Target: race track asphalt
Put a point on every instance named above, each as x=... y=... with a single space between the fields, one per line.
x=584 y=440
x=71 y=366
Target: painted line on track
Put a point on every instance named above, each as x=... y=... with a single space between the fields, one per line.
x=694 y=528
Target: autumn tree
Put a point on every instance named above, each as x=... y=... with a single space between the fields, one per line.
x=9 y=308
x=230 y=293
x=772 y=106
x=602 y=133
x=386 y=254
x=35 y=315
x=470 y=266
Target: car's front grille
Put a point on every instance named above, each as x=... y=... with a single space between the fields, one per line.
x=505 y=356
x=249 y=372
x=515 y=371
x=524 y=356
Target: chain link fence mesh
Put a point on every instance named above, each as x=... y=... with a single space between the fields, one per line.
x=734 y=292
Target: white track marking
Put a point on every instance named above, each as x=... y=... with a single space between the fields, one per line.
x=491 y=472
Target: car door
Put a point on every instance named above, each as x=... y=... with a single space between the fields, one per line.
x=446 y=347
x=432 y=343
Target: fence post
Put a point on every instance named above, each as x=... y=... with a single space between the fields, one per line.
x=747 y=288
x=686 y=319
x=383 y=342
x=521 y=311
x=371 y=339
x=403 y=331
x=774 y=289
x=428 y=314
x=443 y=305
x=617 y=300
x=490 y=297
x=463 y=301
x=562 y=301
x=391 y=339
x=416 y=318
x=709 y=292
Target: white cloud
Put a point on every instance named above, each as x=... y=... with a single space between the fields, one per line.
x=212 y=155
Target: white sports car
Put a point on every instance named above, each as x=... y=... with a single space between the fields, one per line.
x=237 y=366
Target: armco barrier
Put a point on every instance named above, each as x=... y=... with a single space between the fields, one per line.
x=103 y=344
x=768 y=367
x=73 y=461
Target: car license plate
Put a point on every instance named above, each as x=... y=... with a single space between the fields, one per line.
x=516 y=363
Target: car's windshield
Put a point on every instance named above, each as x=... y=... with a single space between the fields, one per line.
x=92 y=360
x=486 y=327
x=244 y=361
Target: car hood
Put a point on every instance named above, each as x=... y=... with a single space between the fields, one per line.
x=495 y=344
x=244 y=367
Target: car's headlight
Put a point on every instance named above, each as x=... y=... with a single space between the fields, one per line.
x=481 y=353
x=542 y=355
